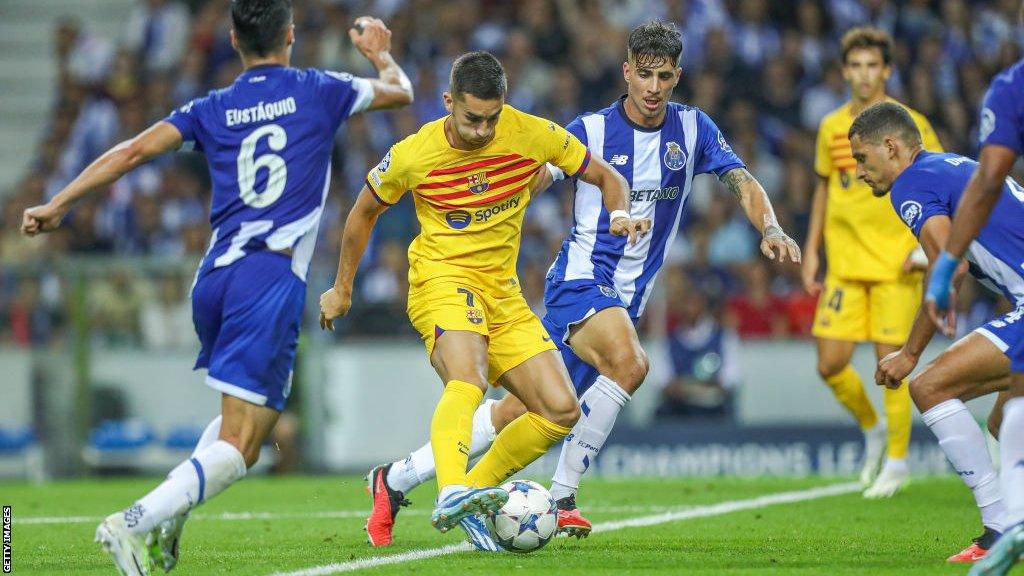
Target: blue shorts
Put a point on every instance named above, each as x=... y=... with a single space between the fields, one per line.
x=247 y=316
x=569 y=303
x=1007 y=333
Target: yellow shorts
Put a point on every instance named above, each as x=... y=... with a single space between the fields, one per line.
x=514 y=332
x=855 y=310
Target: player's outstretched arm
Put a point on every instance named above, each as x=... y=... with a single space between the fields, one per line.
x=898 y=365
x=811 y=256
x=360 y=222
x=980 y=196
x=615 y=194
x=758 y=208
x=393 y=88
x=158 y=139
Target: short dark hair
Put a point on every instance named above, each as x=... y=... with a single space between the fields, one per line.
x=654 y=40
x=884 y=119
x=867 y=37
x=479 y=74
x=261 y=25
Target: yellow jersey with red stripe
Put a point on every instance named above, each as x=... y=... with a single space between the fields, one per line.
x=864 y=238
x=470 y=203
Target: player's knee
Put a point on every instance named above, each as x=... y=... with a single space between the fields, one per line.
x=926 y=389
x=564 y=411
x=629 y=369
x=828 y=368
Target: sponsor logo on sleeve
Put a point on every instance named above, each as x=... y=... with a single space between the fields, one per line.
x=910 y=212
x=722 y=143
x=987 y=125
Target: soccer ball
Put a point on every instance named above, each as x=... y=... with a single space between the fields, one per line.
x=528 y=520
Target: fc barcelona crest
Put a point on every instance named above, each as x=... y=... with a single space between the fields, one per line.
x=478 y=183
x=675 y=158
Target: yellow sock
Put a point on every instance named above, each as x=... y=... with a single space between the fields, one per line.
x=849 y=390
x=524 y=440
x=451 y=430
x=897 y=413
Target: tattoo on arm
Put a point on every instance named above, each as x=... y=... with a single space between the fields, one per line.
x=736 y=179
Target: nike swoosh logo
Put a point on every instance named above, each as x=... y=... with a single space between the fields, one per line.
x=546 y=339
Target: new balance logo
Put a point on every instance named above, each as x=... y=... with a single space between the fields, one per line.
x=1019 y=464
x=619 y=160
x=133 y=514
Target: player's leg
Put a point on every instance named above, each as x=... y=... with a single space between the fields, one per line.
x=543 y=386
x=1008 y=550
x=607 y=366
x=247 y=317
x=892 y=308
x=972 y=367
x=453 y=321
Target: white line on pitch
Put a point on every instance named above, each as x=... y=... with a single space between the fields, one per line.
x=696 y=512
x=293 y=516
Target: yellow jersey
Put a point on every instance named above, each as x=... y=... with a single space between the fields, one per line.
x=470 y=203
x=864 y=238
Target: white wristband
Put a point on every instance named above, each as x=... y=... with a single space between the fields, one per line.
x=617 y=214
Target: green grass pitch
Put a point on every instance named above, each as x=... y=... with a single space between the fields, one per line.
x=268 y=525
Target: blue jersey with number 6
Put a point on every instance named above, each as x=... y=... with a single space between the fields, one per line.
x=267 y=139
x=932 y=186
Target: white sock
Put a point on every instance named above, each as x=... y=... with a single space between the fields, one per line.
x=210 y=435
x=963 y=442
x=419 y=466
x=600 y=405
x=1011 y=452
x=191 y=483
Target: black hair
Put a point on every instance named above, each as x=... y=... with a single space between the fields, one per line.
x=883 y=119
x=653 y=41
x=261 y=25
x=478 y=74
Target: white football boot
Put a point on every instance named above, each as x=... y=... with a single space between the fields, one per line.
x=893 y=477
x=129 y=552
x=875 y=440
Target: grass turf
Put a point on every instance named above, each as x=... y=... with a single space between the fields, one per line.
x=313 y=521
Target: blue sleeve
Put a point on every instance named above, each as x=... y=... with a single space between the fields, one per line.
x=916 y=199
x=1001 y=115
x=343 y=94
x=577 y=129
x=186 y=120
x=713 y=152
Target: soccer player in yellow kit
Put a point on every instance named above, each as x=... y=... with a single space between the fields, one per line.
x=470 y=174
x=869 y=292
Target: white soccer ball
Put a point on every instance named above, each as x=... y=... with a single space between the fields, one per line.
x=528 y=520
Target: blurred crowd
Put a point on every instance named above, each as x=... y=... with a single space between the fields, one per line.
x=766 y=71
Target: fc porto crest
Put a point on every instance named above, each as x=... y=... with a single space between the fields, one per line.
x=674 y=158
x=478 y=183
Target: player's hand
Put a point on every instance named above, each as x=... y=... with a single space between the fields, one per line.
x=940 y=297
x=634 y=228
x=540 y=182
x=333 y=303
x=370 y=36
x=916 y=261
x=775 y=239
x=810 y=262
x=39 y=219
x=894 y=368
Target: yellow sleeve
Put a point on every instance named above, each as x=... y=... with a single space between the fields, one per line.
x=388 y=180
x=562 y=149
x=822 y=150
x=929 y=138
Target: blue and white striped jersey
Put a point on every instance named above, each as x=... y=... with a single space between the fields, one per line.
x=659 y=164
x=933 y=185
x=267 y=140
